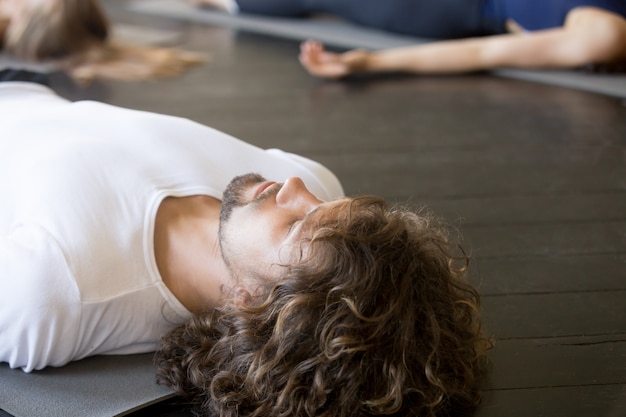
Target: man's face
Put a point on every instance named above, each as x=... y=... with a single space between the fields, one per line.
x=261 y=223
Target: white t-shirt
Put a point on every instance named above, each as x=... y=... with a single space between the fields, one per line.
x=80 y=185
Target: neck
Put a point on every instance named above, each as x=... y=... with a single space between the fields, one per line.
x=187 y=251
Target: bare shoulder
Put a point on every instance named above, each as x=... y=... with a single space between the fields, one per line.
x=605 y=28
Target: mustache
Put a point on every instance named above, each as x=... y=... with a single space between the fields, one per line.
x=269 y=193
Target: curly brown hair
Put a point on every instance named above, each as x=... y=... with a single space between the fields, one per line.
x=375 y=319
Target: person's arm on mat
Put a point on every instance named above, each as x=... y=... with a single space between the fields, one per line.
x=589 y=36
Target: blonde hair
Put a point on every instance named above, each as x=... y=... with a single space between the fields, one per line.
x=76 y=35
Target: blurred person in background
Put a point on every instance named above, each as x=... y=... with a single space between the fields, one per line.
x=75 y=36
x=472 y=35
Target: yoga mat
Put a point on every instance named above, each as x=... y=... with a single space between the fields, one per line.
x=345 y=35
x=100 y=386
x=330 y=31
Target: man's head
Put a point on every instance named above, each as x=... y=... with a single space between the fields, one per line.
x=365 y=315
x=263 y=225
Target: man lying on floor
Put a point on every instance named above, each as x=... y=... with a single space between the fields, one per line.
x=273 y=293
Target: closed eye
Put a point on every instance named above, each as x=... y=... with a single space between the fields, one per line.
x=291 y=225
x=303 y=220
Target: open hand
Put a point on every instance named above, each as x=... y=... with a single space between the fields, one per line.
x=322 y=63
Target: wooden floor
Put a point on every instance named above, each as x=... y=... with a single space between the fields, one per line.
x=533 y=176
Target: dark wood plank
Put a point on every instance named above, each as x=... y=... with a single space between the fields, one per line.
x=591 y=400
x=549 y=274
x=537 y=208
x=546 y=239
x=556 y=314
x=593 y=358
x=472 y=172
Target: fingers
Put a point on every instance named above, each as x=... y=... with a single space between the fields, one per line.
x=311 y=47
x=310 y=53
x=321 y=63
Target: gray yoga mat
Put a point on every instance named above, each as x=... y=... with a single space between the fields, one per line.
x=100 y=386
x=345 y=35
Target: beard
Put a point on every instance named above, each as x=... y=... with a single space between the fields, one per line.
x=234 y=194
x=232 y=198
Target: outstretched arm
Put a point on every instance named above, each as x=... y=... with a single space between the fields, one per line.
x=589 y=35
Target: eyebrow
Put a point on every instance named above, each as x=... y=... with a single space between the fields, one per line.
x=305 y=218
x=311 y=213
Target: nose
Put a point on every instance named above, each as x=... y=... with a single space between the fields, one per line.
x=294 y=194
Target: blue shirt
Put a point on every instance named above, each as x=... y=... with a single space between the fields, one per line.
x=543 y=14
x=438 y=19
